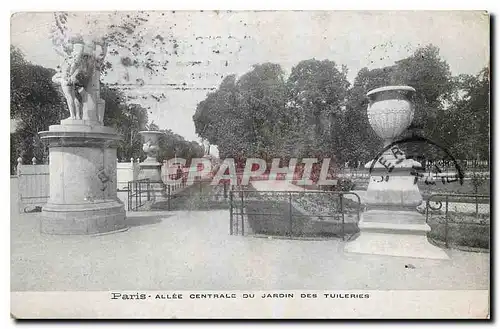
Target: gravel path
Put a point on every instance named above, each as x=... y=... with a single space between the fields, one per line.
x=193 y=250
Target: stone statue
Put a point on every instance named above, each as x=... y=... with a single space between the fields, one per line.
x=72 y=89
x=79 y=78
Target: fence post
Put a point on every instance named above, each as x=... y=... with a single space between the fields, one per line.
x=169 y=193
x=140 y=193
x=342 y=211
x=427 y=209
x=128 y=195
x=148 y=186
x=242 y=216
x=446 y=224
x=290 y=225
x=477 y=207
x=231 y=212
x=18 y=167
x=136 y=194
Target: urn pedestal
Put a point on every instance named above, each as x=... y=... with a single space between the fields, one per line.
x=82 y=164
x=391 y=224
x=151 y=168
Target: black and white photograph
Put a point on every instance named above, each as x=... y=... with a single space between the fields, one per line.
x=250 y=164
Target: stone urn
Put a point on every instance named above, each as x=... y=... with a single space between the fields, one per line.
x=390 y=224
x=150 y=146
x=390 y=111
x=151 y=168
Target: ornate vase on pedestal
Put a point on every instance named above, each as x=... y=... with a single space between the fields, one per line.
x=391 y=224
x=151 y=168
x=82 y=152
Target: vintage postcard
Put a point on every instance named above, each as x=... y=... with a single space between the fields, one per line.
x=250 y=164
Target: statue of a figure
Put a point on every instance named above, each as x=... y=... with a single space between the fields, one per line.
x=70 y=78
x=79 y=78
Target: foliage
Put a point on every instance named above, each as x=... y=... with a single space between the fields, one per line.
x=315 y=113
x=431 y=77
x=35 y=105
x=263 y=115
x=345 y=184
x=261 y=103
x=477 y=180
x=317 y=92
x=360 y=143
x=173 y=145
x=466 y=126
x=217 y=119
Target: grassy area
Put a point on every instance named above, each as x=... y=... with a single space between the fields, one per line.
x=465 y=188
x=302 y=214
x=461 y=235
x=460 y=229
x=455 y=187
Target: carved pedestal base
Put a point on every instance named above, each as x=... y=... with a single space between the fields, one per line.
x=394 y=233
x=83 y=197
x=391 y=225
x=151 y=169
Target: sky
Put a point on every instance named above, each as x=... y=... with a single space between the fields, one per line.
x=212 y=45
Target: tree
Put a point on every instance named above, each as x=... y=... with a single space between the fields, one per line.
x=217 y=120
x=465 y=126
x=244 y=118
x=430 y=75
x=35 y=104
x=261 y=103
x=361 y=143
x=173 y=145
x=316 y=114
x=424 y=70
x=132 y=119
x=317 y=94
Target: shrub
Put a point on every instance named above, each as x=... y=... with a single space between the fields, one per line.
x=344 y=184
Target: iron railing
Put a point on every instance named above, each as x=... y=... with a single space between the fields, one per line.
x=176 y=196
x=138 y=191
x=462 y=204
x=292 y=213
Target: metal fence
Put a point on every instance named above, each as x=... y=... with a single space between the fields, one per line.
x=182 y=195
x=459 y=219
x=294 y=213
x=139 y=192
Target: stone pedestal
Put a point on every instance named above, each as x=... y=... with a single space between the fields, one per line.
x=391 y=224
x=83 y=197
x=151 y=168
